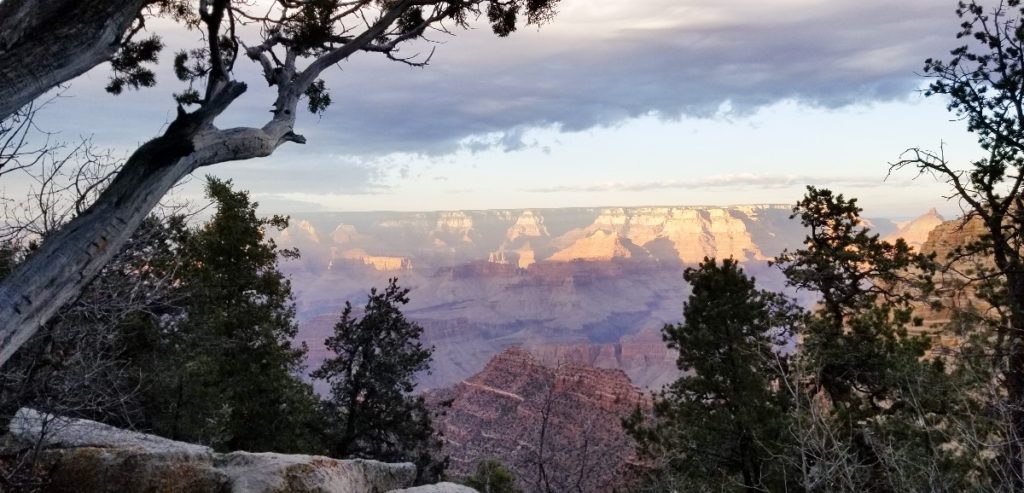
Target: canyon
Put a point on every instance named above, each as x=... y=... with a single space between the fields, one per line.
x=587 y=285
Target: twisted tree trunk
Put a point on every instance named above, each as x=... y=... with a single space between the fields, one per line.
x=68 y=260
x=44 y=43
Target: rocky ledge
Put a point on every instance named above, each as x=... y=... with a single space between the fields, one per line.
x=81 y=455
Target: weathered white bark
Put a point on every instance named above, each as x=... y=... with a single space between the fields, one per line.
x=68 y=260
x=44 y=43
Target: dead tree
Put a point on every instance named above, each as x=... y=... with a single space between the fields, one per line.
x=79 y=364
x=17 y=152
x=299 y=40
x=570 y=447
x=44 y=43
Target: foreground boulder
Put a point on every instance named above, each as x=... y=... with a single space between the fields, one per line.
x=438 y=488
x=81 y=455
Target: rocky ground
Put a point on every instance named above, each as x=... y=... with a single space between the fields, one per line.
x=84 y=456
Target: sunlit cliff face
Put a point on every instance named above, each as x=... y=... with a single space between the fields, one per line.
x=680 y=235
x=593 y=285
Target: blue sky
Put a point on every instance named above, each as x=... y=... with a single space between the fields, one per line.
x=616 y=102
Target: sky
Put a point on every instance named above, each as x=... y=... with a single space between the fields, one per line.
x=614 y=103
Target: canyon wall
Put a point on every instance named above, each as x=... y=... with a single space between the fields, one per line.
x=524 y=414
x=590 y=285
x=954 y=289
x=676 y=234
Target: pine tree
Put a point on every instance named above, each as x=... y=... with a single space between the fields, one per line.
x=886 y=398
x=866 y=287
x=491 y=476
x=228 y=367
x=371 y=412
x=720 y=424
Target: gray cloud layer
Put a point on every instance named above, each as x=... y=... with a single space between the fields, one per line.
x=820 y=53
x=598 y=63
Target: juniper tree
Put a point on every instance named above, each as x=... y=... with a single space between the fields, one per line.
x=865 y=287
x=44 y=43
x=722 y=424
x=886 y=398
x=371 y=411
x=226 y=371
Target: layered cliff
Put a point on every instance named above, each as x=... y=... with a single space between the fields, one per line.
x=953 y=289
x=524 y=414
x=599 y=245
x=948 y=236
x=591 y=285
x=523 y=237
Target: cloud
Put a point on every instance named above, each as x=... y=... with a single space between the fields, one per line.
x=276 y=203
x=745 y=54
x=597 y=64
x=738 y=180
x=295 y=171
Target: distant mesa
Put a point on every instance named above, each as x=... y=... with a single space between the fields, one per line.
x=388 y=264
x=454 y=221
x=382 y=263
x=675 y=234
x=454 y=227
x=395 y=240
x=300 y=232
x=528 y=224
x=345 y=233
x=915 y=232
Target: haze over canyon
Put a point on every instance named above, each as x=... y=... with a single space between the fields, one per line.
x=587 y=285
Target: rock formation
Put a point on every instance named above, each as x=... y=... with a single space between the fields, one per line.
x=946 y=237
x=916 y=231
x=438 y=488
x=440 y=239
x=502 y=412
x=589 y=284
x=952 y=288
x=643 y=357
x=528 y=224
x=599 y=245
x=384 y=263
x=522 y=256
x=85 y=456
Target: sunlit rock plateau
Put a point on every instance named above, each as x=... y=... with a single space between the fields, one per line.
x=590 y=285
